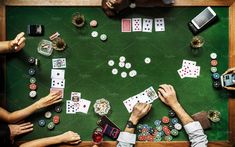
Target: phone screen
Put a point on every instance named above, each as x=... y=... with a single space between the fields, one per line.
x=205 y=16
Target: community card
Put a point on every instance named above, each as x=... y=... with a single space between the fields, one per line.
x=70 y=107
x=75 y=96
x=57 y=74
x=188 y=64
x=84 y=106
x=126 y=25
x=159 y=24
x=57 y=83
x=76 y=106
x=136 y=24
x=147 y=25
x=181 y=73
x=59 y=63
x=58 y=89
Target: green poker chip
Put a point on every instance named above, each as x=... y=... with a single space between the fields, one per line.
x=168 y=138
x=157 y=139
x=33 y=80
x=159 y=128
x=51 y=126
x=174 y=132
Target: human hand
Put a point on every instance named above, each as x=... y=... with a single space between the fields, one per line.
x=18 y=129
x=229 y=70
x=139 y=111
x=18 y=43
x=229 y=88
x=52 y=98
x=70 y=137
x=112 y=7
x=167 y=95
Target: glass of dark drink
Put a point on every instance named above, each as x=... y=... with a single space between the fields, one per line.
x=97 y=136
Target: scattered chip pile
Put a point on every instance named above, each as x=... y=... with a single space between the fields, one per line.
x=215 y=75
x=95 y=34
x=165 y=129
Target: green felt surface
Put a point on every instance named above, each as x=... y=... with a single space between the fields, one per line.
x=87 y=70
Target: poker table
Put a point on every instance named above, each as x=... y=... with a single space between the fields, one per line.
x=87 y=70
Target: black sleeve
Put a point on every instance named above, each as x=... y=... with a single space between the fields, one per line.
x=4 y=134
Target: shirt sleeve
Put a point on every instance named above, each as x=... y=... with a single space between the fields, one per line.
x=126 y=139
x=4 y=134
x=196 y=134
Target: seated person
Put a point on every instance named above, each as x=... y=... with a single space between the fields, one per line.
x=168 y=96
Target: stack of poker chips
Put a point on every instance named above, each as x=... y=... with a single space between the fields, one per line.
x=165 y=129
x=215 y=75
x=33 y=62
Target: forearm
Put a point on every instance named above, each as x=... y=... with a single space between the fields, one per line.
x=183 y=116
x=5 y=47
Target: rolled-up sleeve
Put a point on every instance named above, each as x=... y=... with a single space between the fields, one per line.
x=126 y=139
x=196 y=134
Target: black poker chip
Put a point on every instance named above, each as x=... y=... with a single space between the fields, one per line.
x=31 y=60
x=31 y=71
x=216 y=84
x=171 y=113
x=58 y=109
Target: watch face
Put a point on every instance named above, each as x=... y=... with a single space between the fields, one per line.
x=130 y=124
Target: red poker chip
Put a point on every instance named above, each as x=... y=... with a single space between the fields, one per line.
x=165 y=119
x=167 y=132
x=56 y=119
x=164 y=128
x=33 y=86
x=214 y=62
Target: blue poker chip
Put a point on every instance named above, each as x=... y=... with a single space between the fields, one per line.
x=157 y=122
x=216 y=76
x=145 y=126
x=161 y=133
x=41 y=122
x=174 y=120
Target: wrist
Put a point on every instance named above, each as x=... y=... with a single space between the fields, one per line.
x=134 y=120
x=176 y=106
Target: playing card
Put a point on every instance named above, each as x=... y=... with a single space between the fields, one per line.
x=126 y=25
x=84 y=105
x=130 y=103
x=151 y=93
x=136 y=24
x=147 y=25
x=58 y=89
x=181 y=73
x=57 y=83
x=70 y=107
x=159 y=24
x=188 y=63
x=57 y=73
x=76 y=106
x=75 y=96
x=59 y=63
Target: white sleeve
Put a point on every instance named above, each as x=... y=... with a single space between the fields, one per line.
x=196 y=134
x=126 y=139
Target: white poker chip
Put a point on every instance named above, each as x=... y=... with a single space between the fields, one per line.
x=114 y=71
x=122 y=59
x=94 y=34
x=48 y=114
x=213 y=55
x=147 y=60
x=124 y=74
x=110 y=62
x=128 y=65
x=178 y=126
x=32 y=94
x=103 y=37
x=132 y=73
x=121 y=64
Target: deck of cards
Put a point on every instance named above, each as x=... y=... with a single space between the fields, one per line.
x=145 y=25
x=77 y=104
x=147 y=96
x=189 y=69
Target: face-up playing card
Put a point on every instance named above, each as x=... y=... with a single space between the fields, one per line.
x=130 y=103
x=57 y=83
x=188 y=63
x=159 y=24
x=151 y=93
x=70 y=107
x=57 y=74
x=181 y=73
x=59 y=63
x=126 y=25
x=75 y=96
x=58 y=89
x=147 y=25
x=189 y=69
x=136 y=24
x=84 y=105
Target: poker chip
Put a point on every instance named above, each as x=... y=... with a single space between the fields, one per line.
x=122 y=59
x=159 y=128
x=123 y=74
x=157 y=122
x=48 y=114
x=164 y=128
x=171 y=126
x=121 y=64
x=213 y=69
x=51 y=126
x=171 y=113
x=216 y=84
x=167 y=132
x=214 y=62
x=174 y=120
x=114 y=71
x=157 y=139
x=41 y=122
x=103 y=37
x=147 y=60
x=168 y=138
x=133 y=73
x=58 y=109
x=93 y=23
x=32 y=80
x=128 y=65
x=94 y=34
x=56 y=119
x=215 y=76
x=110 y=62
x=174 y=132
x=178 y=126
x=161 y=133
x=31 y=71
x=32 y=86
x=213 y=55
x=165 y=119
x=32 y=94
x=31 y=60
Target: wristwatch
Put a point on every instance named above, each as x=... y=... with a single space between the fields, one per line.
x=132 y=5
x=130 y=124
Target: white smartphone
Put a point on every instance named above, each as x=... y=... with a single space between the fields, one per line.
x=203 y=18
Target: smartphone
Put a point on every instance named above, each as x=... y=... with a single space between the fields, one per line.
x=203 y=18
x=35 y=30
x=105 y=120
